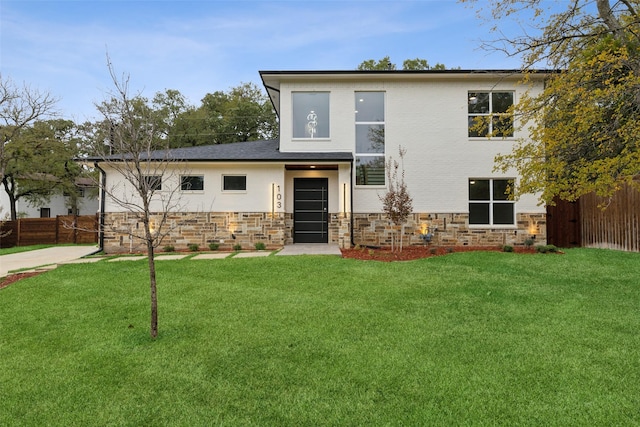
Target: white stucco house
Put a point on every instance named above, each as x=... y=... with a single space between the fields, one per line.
x=57 y=205
x=322 y=180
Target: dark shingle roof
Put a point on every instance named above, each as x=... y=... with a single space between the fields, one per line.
x=252 y=151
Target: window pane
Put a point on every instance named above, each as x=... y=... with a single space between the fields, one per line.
x=152 y=182
x=191 y=183
x=501 y=101
x=500 y=189
x=234 y=183
x=503 y=213
x=369 y=106
x=370 y=170
x=478 y=126
x=478 y=102
x=502 y=125
x=311 y=115
x=479 y=189
x=478 y=213
x=369 y=138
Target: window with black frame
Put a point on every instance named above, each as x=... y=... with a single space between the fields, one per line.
x=490 y=203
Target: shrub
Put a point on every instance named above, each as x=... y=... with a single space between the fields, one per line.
x=507 y=248
x=543 y=249
x=528 y=242
x=193 y=247
x=237 y=247
x=260 y=246
x=214 y=246
x=169 y=248
x=433 y=251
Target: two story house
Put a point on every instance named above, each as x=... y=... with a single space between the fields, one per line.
x=321 y=182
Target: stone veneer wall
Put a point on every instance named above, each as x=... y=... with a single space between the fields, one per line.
x=275 y=230
x=201 y=228
x=448 y=230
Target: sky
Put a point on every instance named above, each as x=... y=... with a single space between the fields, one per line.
x=199 y=47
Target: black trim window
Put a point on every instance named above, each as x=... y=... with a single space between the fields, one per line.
x=489 y=202
x=234 y=183
x=152 y=182
x=192 y=183
x=490 y=114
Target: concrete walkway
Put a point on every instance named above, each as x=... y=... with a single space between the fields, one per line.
x=71 y=254
x=43 y=257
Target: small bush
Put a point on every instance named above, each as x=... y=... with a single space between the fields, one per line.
x=193 y=247
x=237 y=247
x=529 y=242
x=214 y=246
x=543 y=249
x=169 y=248
x=433 y=251
x=260 y=246
x=507 y=248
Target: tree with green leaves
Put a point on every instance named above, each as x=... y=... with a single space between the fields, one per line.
x=20 y=108
x=244 y=113
x=584 y=125
x=408 y=64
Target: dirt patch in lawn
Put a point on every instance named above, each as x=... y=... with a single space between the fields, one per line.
x=416 y=252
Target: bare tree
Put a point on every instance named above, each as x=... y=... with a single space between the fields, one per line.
x=396 y=202
x=135 y=149
x=20 y=107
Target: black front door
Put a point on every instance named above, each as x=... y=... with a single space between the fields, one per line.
x=310 y=218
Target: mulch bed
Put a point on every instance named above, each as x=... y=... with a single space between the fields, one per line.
x=410 y=253
x=12 y=278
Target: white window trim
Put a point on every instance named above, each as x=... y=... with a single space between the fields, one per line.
x=489 y=114
x=491 y=201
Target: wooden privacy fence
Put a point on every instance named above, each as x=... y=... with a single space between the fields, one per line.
x=58 y=230
x=584 y=223
x=616 y=227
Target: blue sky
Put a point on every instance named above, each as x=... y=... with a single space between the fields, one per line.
x=198 y=47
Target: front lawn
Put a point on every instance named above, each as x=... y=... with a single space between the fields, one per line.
x=463 y=339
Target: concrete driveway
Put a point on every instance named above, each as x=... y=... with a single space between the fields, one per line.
x=41 y=257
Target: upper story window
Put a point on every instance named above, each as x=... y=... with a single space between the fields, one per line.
x=310 y=114
x=234 y=183
x=192 y=182
x=370 y=139
x=489 y=114
x=489 y=202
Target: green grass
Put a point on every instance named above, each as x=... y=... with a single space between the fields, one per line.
x=464 y=339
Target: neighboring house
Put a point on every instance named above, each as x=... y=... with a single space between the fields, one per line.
x=57 y=205
x=322 y=180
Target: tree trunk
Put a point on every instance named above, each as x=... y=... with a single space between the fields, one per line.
x=153 y=287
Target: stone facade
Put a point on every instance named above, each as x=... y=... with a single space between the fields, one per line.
x=201 y=228
x=447 y=230
x=275 y=230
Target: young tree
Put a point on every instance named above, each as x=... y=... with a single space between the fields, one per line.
x=396 y=202
x=20 y=108
x=135 y=147
x=584 y=125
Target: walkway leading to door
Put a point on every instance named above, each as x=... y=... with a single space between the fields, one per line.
x=310 y=249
